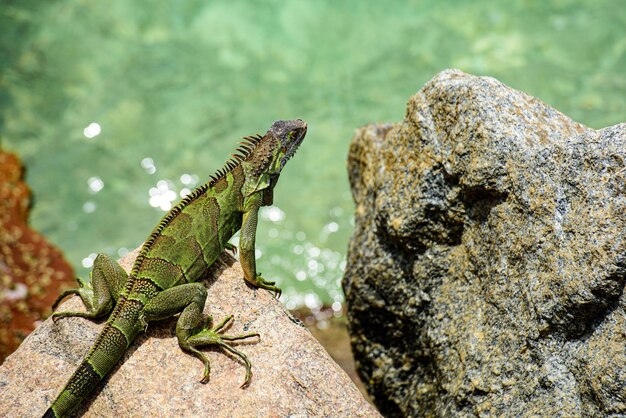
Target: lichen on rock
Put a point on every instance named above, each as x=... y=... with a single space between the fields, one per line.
x=486 y=271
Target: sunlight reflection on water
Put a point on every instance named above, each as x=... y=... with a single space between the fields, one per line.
x=162 y=196
x=92 y=130
x=95 y=128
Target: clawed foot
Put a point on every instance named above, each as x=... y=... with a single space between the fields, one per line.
x=57 y=315
x=266 y=284
x=212 y=336
x=75 y=291
x=85 y=291
x=100 y=293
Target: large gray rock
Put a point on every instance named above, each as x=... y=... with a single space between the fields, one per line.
x=292 y=374
x=486 y=272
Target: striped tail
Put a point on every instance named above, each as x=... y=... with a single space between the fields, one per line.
x=104 y=355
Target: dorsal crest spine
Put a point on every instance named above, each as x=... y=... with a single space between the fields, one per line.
x=244 y=149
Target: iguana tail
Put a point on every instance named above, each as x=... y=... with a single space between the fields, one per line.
x=104 y=355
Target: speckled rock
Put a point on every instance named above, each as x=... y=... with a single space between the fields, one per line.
x=32 y=270
x=292 y=374
x=486 y=272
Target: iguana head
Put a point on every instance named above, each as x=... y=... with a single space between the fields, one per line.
x=268 y=154
x=290 y=134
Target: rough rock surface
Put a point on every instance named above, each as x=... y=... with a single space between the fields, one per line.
x=292 y=374
x=486 y=272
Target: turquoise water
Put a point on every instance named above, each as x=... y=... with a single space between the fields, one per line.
x=117 y=107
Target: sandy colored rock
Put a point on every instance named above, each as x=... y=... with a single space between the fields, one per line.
x=292 y=374
x=486 y=272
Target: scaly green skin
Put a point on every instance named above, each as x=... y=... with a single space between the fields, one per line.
x=175 y=256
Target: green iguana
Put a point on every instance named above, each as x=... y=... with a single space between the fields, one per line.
x=179 y=251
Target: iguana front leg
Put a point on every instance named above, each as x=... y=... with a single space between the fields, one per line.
x=100 y=293
x=191 y=329
x=246 y=245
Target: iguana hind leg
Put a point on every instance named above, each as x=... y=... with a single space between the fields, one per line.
x=192 y=330
x=100 y=293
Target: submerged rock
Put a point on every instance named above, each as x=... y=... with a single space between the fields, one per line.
x=486 y=271
x=292 y=374
x=32 y=271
